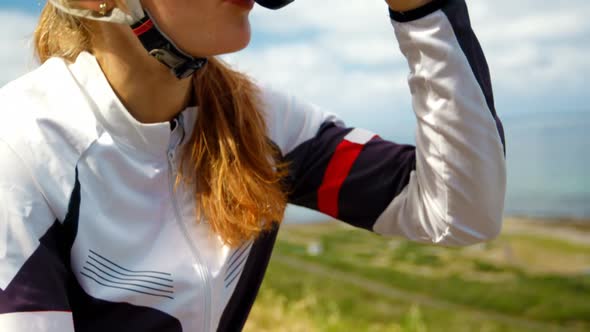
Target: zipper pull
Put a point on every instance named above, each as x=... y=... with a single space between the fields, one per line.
x=173 y=124
x=171 y=158
x=181 y=127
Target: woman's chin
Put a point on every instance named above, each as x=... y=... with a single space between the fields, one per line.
x=236 y=41
x=239 y=39
x=234 y=46
x=242 y=44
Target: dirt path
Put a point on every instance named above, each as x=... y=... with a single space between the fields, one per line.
x=393 y=293
x=552 y=229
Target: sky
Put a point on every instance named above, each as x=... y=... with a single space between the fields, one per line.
x=343 y=56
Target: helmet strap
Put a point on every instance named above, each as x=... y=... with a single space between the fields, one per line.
x=164 y=50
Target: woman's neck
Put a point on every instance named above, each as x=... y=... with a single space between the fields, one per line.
x=147 y=88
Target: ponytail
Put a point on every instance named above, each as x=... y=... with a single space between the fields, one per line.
x=233 y=168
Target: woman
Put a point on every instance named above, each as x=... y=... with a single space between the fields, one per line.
x=144 y=192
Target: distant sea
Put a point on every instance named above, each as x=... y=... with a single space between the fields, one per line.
x=548 y=161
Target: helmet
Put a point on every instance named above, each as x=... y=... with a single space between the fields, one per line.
x=151 y=37
x=274 y=4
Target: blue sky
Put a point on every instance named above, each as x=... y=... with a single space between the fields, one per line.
x=343 y=56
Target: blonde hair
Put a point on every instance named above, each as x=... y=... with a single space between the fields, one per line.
x=235 y=167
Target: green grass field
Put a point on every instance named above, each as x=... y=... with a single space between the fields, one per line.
x=529 y=279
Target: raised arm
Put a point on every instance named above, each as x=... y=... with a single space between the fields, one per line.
x=449 y=188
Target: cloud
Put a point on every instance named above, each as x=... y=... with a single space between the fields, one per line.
x=15 y=44
x=315 y=71
x=344 y=58
x=343 y=55
x=536 y=52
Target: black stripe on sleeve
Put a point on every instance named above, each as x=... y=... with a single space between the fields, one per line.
x=40 y=284
x=458 y=15
x=378 y=175
x=308 y=163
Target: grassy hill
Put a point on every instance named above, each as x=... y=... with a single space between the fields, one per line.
x=332 y=277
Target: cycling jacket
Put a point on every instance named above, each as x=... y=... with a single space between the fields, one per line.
x=94 y=236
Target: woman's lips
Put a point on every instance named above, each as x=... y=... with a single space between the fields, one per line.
x=246 y=4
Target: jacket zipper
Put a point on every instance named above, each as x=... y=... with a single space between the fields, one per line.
x=202 y=267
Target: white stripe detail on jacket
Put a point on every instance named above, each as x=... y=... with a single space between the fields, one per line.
x=38 y=321
x=359 y=136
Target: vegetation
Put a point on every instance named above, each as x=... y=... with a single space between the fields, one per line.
x=331 y=277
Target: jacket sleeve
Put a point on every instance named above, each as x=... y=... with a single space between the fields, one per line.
x=33 y=272
x=448 y=189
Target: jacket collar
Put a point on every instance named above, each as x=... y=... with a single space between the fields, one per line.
x=154 y=139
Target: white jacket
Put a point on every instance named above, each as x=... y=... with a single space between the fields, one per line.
x=94 y=238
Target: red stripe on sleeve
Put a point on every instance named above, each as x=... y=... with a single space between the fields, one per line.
x=140 y=30
x=338 y=169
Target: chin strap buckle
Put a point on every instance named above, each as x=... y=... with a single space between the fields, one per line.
x=160 y=47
